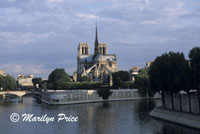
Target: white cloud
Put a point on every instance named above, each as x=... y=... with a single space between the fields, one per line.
x=55 y=0
x=87 y=16
x=12 y=0
x=20 y=38
x=16 y=69
x=67 y=22
x=143 y=39
x=147 y=2
x=152 y=22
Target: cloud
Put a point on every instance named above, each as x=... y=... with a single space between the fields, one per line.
x=87 y=16
x=37 y=70
x=151 y=22
x=47 y=32
x=12 y=0
x=147 y=2
x=19 y=38
x=55 y=0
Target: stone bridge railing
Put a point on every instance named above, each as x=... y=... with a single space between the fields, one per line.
x=20 y=94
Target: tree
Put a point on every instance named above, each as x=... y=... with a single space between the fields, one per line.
x=117 y=83
x=123 y=75
x=57 y=79
x=142 y=83
x=44 y=84
x=84 y=79
x=7 y=83
x=143 y=73
x=2 y=82
x=104 y=93
x=37 y=81
x=119 y=77
x=168 y=73
x=194 y=59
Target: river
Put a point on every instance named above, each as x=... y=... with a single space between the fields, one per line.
x=119 y=117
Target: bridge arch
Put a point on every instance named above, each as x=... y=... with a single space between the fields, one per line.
x=19 y=94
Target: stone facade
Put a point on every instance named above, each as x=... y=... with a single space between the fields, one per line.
x=133 y=72
x=148 y=64
x=25 y=81
x=98 y=66
x=2 y=72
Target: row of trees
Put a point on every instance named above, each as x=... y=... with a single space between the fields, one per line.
x=7 y=83
x=59 y=79
x=171 y=72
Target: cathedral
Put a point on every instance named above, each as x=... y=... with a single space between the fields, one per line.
x=98 y=66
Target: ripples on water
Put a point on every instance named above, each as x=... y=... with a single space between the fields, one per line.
x=120 y=117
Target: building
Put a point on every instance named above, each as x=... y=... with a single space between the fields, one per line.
x=25 y=81
x=2 y=72
x=133 y=72
x=98 y=66
x=148 y=64
x=74 y=75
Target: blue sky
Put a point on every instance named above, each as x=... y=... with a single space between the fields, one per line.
x=37 y=36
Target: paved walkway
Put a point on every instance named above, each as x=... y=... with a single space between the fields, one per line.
x=182 y=118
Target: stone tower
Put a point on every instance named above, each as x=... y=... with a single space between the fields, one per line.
x=99 y=48
x=83 y=49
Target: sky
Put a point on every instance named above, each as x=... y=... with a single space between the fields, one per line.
x=37 y=36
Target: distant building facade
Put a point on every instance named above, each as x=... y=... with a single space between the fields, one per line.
x=148 y=64
x=2 y=72
x=74 y=75
x=98 y=66
x=133 y=72
x=25 y=81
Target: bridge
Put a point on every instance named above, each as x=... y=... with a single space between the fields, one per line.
x=20 y=94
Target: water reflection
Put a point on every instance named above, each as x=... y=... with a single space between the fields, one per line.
x=122 y=117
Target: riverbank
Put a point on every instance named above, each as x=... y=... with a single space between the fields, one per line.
x=182 y=118
x=89 y=96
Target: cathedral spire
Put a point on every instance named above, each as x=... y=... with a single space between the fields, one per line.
x=96 y=37
x=96 y=41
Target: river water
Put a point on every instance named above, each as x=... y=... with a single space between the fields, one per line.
x=119 y=117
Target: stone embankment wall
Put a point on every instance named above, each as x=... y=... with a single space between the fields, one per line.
x=86 y=96
x=185 y=102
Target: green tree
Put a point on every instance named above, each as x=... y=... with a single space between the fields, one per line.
x=84 y=79
x=7 y=83
x=117 y=83
x=119 y=77
x=57 y=79
x=143 y=73
x=2 y=82
x=168 y=73
x=44 y=84
x=194 y=59
x=104 y=93
x=123 y=75
x=142 y=83
x=36 y=81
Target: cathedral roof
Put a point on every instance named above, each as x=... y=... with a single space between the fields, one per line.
x=86 y=58
x=110 y=57
x=97 y=58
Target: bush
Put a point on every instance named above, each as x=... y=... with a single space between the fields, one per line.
x=79 y=85
x=104 y=93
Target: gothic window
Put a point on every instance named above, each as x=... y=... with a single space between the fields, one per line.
x=110 y=64
x=86 y=50
x=83 y=48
